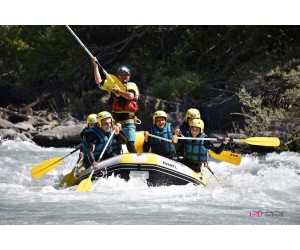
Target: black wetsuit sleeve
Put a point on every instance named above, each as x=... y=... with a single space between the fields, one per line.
x=92 y=140
x=121 y=137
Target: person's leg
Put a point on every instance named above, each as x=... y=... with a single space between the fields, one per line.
x=86 y=163
x=129 y=129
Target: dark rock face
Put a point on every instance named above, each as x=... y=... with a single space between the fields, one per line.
x=217 y=114
x=148 y=105
x=60 y=136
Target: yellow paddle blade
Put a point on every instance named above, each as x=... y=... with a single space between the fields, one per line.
x=43 y=168
x=85 y=185
x=113 y=81
x=68 y=179
x=227 y=156
x=262 y=141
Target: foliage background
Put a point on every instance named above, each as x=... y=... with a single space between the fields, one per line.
x=258 y=64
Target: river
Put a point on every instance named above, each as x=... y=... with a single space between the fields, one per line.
x=262 y=190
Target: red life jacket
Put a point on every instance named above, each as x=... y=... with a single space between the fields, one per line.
x=122 y=104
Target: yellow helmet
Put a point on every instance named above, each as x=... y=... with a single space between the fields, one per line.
x=198 y=123
x=159 y=113
x=103 y=115
x=92 y=118
x=193 y=113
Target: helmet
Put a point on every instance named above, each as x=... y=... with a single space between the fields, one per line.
x=193 y=113
x=92 y=118
x=101 y=116
x=198 y=123
x=124 y=69
x=159 y=113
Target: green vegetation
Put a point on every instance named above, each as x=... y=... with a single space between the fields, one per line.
x=260 y=64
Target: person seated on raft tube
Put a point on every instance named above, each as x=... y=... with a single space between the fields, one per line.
x=195 y=151
x=161 y=128
x=95 y=139
x=91 y=121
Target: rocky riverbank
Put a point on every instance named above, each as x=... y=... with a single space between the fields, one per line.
x=44 y=127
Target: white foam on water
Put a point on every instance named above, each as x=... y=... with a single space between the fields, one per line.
x=266 y=183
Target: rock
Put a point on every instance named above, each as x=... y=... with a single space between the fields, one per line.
x=24 y=126
x=5 y=124
x=37 y=121
x=69 y=121
x=60 y=136
x=28 y=112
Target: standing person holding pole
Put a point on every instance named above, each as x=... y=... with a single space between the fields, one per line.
x=125 y=95
x=124 y=102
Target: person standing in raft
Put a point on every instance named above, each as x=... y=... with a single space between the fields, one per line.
x=161 y=128
x=195 y=151
x=124 y=103
x=95 y=139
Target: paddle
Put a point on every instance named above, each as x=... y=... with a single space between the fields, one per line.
x=112 y=80
x=46 y=166
x=259 y=141
x=86 y=185
x=70 y=179
x=223 y=156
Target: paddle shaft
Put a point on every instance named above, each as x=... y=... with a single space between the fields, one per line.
x=85 y=48
x=76 y=149
x=161 y=138
x=106 y=145
x=213 y=173
x=86 y=184
x=198 y=139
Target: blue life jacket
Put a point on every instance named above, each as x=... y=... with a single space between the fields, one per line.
x=102 y=140
x=83 y=131
x=81 y=136
x=159 y=146
x=195 y=151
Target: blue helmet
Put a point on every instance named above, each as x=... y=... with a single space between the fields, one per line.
x=124 y=69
